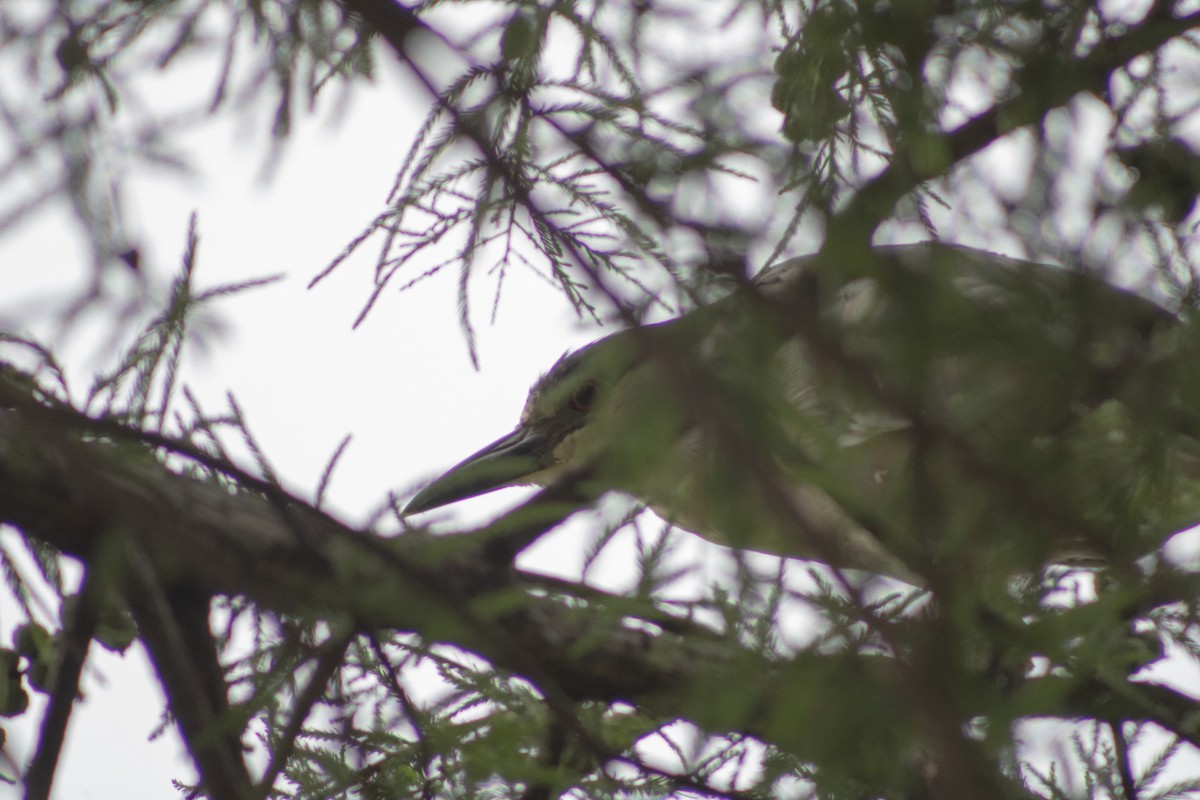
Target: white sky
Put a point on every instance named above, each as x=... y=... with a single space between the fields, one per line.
x=402 y=384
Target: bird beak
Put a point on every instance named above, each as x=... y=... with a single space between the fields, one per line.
x=504 y=462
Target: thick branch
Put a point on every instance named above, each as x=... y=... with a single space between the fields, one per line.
x=296 y=560
x=76 y=493
x=875 y=201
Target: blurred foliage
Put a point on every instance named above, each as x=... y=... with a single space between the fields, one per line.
x=635 y=153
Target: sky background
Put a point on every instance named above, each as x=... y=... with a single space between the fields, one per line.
x=402 y=384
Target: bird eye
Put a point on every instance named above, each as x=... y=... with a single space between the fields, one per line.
x=583 y=397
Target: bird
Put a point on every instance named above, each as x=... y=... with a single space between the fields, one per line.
x=930 y=407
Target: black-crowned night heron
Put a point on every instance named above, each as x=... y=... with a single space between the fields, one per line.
x=878 y=419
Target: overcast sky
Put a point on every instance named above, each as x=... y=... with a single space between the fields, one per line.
x=402 y=384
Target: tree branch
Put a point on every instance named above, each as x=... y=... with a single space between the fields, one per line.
x=73 y=648
x=75 y=494
x=875 y=201
x=174 y=627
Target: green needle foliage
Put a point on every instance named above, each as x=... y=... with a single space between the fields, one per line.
x=645 y=158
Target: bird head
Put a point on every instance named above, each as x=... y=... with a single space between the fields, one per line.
x=562 y=426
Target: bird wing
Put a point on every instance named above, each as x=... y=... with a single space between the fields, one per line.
x=1019 y=385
